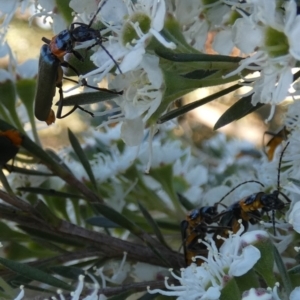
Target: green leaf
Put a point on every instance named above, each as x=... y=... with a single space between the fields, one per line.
x=26 y=91
x=68 y=272
x=201 y=57
x=238 y=110
x=8 y=100
x=34 y=274
x=58 y=159
x=282 y=271
x=295 y=181
x=177 y=86
x=231 y=290
x=48 y=192
x=186 y=108
x=64 y=10
x=102 y=222
x=46 y=214
x=82 y=157
x=8 y=291
x=8 y=94
x=199 y=74
x=148 y=296
x=82 y=67
x=264 y=266
x=185 y=202
x=247 y=281
x=118 y=218
x=294 y=270
x=67 y=240
x=7 y=234
x=153 y=224
x=122 y=296
x=88 y=98
x=164 y=175
x=19 y=170
x=19 y=252
x=172 y=31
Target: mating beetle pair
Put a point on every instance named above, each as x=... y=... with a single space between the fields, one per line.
x=51 y=61
x=250 y=209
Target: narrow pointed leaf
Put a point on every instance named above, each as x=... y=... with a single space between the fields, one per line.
x=294 y=270
x=122 y=296
x=26 y=171
x=34 y=273
x=68 y=272
x=48 y=192
x=102 y=222
x=148 y=296
x=231 y=290
x=153 y=224
x=238 y=110
x=177 y=86
x=46 y=214
x=295 y=181
x=185 y=202
x=201 y=57
x=118 y=218
x=54 y=156
x=82 y=67
x=51 y=237
x=186 y=108
x=64 y=10
x=87 y=98
x=8 y=290
x=82 y=157
x=282 y=271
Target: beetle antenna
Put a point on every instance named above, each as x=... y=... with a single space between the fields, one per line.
x=117 y=65
x=99 y=8
x=279 y=166
x=249 y=181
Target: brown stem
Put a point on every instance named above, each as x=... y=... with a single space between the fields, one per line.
x=15 y=201
x=109 y=246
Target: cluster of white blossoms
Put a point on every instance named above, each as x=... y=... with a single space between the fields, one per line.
x=270 y=47
x=237 y=256
x=266 y=33
x=130 y=27
x=273 y=46
x=133 y=27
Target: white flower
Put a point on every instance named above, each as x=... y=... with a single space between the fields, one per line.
x=238 y=254
x=119 y=274
x=47 y=8
x=28 y=69
x=272 y=34
x=7 y=11
x=257 y=294
x=295 y=294
x=131 y=33
x=146 y=272
x=194 y=282
x=194 y=174
x=88 y=6
x=21 y=294
x=261 y=294
x=235 y=258
x=165 y=153
x=291 y=119
x=143 y=91
x=194 y=26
